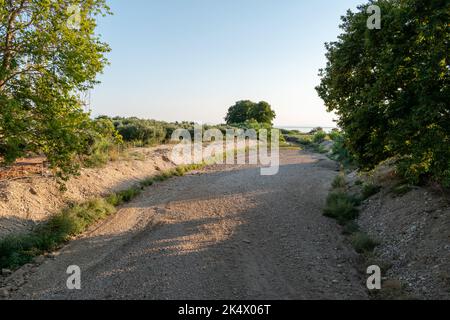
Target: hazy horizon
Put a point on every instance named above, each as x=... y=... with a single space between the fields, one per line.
x=191 y=60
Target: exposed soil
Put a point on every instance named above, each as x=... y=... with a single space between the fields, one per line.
x=414 y=235
x=26 y=202
x=225 y=232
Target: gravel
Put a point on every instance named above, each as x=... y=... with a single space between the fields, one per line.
x=221 y=233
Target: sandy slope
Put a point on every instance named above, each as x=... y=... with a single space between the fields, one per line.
x=26 y=202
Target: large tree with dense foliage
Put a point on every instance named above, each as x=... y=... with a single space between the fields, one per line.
x=247 y=110
x=49 y=55
x=390 y=87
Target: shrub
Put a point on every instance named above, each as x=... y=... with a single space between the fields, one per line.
x=341 y=207
x=305 y=140
x=363 y=243
x=102 y=143
x=369 y=190
x=401 y=189
x=339 y=151
x=339 y=182
x=319 y=137
x=350 y=228
x=125 y=196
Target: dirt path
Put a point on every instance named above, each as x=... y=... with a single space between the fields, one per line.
x=223 y=233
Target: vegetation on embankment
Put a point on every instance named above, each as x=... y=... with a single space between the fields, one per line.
x=17 y=250
x=344 y=207
x=119 y=134
x=317 y=140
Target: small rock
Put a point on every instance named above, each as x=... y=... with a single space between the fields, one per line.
x=4 y=293
x=33 y=191
x=246 y=241
x=39 y=260
x=6 y=272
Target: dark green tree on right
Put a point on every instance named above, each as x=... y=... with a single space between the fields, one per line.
x=390 y=87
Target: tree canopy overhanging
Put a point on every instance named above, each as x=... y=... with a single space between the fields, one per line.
x=46 y=61
x=390 y=87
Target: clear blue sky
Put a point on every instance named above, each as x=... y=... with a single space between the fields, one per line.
x=192 y=59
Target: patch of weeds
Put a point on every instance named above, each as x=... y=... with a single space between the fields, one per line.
x=163 y=176
x=369 y=190
x=319 y=148
x=339 y=182
x=147 y=182
x=21 y=249
x=121 y=197
x=342 y=207
x=96 y=160
x=350 y=228
x=362 y=243
x=401 y=190
x=135 y=155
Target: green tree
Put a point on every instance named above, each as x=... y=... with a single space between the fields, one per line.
x=49 y=55
x=262 y=112
x=239 y=113
x=390 y=87
x=247 y=110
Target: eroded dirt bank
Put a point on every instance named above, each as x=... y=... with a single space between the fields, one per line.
x=222 y=233
x=414 y=235
x=26 y=202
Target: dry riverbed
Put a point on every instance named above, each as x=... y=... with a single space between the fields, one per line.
x=225 y=232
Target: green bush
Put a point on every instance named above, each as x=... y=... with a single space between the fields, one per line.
x=342 y=207
x=305 y=140
x=350 y=228
x=401 y=189
x=370 y=190
x=103 y=139
x=319 y=137
x=363 y=243
x=339 y=182
x=339 y=151
x=125 y=196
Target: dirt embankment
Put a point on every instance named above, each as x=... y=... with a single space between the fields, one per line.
x=412 y=226
x=26 y=202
